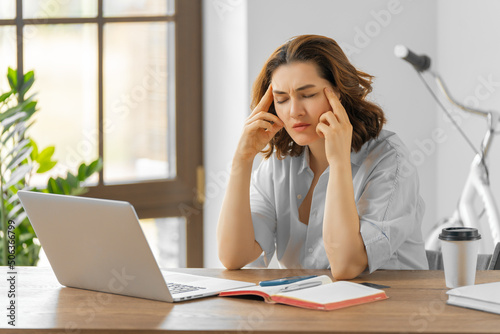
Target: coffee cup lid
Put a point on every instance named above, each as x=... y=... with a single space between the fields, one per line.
x=459 y=234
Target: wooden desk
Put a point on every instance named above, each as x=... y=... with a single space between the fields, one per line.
x=416 y=304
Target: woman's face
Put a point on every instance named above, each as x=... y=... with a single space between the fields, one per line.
x=299 y=99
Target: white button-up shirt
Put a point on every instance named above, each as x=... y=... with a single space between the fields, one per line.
x=386 y=190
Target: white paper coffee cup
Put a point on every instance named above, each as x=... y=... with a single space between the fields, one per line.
x=459 y=248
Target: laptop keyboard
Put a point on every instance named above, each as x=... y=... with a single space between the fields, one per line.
x=180 y=288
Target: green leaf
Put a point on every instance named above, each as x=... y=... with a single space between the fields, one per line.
x=8 y=122
x=46 y=166
x=13 y=198
x=29 y=78
x=26 y=238
x=30 y=108
x=46 y=154
x=5 y=96
x=94 y=167
x=29 y=99
x=18 y=147
x=9 y=112
x=72 y=180
x=34 y=153
x=53 y=187
x=12 y=77
x=82 y=172
x=19 y=174
x=19 y=157
x=78 y=191
x=19 y=129
x=21 y=217
x=63 y=184
x=12 y=212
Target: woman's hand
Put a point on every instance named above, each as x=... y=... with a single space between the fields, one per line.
x=259 y=129
x=336 y=128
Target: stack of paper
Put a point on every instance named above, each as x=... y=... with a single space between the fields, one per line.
x=484 y=297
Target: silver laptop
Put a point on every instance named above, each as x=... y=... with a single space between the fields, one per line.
x=99 y=245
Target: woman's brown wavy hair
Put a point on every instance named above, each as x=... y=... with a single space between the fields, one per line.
x=353 y=86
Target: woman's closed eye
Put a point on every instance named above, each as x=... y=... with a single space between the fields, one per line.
x=303 y=96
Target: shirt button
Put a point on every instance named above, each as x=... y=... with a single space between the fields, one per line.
x=310 y=250
x=299 y=196
x=310 y=261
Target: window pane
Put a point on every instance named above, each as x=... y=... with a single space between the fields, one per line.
x=137 y=8
x=167 y=239
x=7 y=54
x=137 y=103
x=40 y=9
x=64 y=58
x=7 y=9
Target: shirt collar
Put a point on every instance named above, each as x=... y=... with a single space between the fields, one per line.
x=357 y=158
x=305 y=160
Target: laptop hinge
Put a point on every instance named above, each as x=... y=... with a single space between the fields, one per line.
x=200 y=184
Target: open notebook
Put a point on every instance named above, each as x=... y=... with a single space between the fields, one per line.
x=324 y=296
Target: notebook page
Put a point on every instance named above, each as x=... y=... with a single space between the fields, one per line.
x=275 y=290
x=332 y=293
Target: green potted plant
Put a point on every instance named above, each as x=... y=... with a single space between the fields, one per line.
x=20 y=158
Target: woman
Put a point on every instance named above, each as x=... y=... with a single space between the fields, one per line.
x=334 y=190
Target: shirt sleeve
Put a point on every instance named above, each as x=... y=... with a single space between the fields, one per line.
x=390 y=206
x=263 y=209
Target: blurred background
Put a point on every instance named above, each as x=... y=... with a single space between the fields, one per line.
x=459 y=35
x=108 y=82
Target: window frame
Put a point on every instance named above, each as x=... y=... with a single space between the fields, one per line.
x=181 y=196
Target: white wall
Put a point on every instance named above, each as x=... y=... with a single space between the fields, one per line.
x=468 y=49
x=225 y=101
x=240 y=35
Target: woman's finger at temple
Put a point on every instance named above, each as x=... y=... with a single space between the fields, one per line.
x=338 y=108
x=265 y=102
